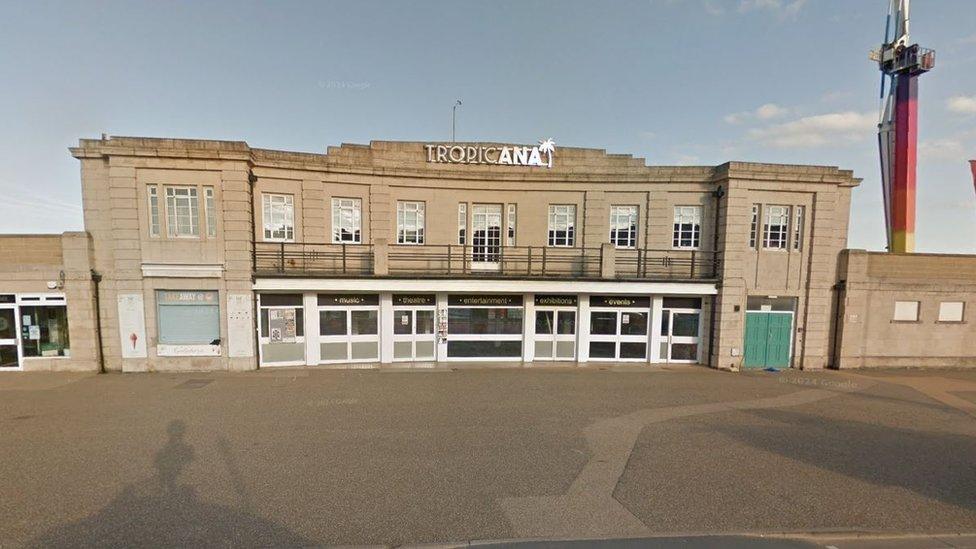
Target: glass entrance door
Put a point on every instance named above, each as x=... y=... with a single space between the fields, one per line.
x=618 y=334
x=413 y=334
x=9 y=336
x=486 y=236
x=555 y=334
x=681 y=330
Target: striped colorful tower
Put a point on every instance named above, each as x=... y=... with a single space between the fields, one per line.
x=900 y=64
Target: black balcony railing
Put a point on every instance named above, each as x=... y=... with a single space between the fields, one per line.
x=444 y=261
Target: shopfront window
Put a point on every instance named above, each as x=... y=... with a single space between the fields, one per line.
x=485 y=321
x=484 y=327
x=188 y=317
x=44 y=331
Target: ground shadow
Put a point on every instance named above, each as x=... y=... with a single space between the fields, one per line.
x=936 y=465
x=160 y=511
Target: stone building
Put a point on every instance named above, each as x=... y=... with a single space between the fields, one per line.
x=213 y=255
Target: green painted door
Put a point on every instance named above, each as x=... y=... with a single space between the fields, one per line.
x=768 y=338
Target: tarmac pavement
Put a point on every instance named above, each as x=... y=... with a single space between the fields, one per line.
x=657 y=457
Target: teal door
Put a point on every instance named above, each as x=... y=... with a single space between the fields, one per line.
x=768 y=338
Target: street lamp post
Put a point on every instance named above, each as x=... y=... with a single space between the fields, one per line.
x=454 y=120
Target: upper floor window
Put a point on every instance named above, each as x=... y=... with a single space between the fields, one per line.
x=153 y=193
x=347 y=220
x=210 y=211
x=462 y=223
x=687 y=227
x=623 y=226
x=776 y=228
x=410 y=222
x=510 y=231
x=951 y=311
x=562 y=221
x=906 y=311
x=754 y=227
x=182 y=212
x=798 y=228
x=278 y=217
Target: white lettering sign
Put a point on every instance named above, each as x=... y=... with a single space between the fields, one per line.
x=514 y=155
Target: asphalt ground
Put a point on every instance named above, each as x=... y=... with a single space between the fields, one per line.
x=312 y=457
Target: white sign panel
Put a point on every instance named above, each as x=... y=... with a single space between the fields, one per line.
x=240 y=326
x=504 y=155
x=132 y=326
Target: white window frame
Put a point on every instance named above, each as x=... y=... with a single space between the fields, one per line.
x=278 y=217
x=952 y=311
x=355 y=208
x=629 y=215
x=152 y=194
x=520 y=337
x=905 y=311
x=410 y=218
x=618 y=338
x=413 y=338
x=174 y=195
x=754 y=227
x=798 y=221
x=348 y=338
x=462 y=223
x=687 y=227
x=510 y=225
x=562 y=217
x=210 y=211
x=776 y=216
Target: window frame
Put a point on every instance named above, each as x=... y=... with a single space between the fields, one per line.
x=511 y=216
x=962 y=312
x=799 y=218
x=754 y=227
x=172 y=213
x=420 y=222
x=167 y=348
x=562 y=215
x=632 y=230
x=268 y=216
x=679 y=229
x=894 y=314
x=210 y=211
x=356 y=209
x=462 y=238
x=781 y=242
x=152 y=199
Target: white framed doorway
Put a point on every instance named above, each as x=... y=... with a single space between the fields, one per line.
x=11 y=358
x=555 y=327
x=681 y=330
x=349 y=328
x=281 y=330
x=486 y=236
x=619 y=328
x=414 y=328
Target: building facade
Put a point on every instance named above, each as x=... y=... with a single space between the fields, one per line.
x=214 y=255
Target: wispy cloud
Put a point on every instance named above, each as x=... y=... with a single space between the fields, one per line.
x=818 y=131
x=962 y=104
x=783 y=8
x=768 y=111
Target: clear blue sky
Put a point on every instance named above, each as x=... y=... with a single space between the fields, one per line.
x=674 y=81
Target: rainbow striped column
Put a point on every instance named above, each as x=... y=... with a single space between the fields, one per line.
x=906 y=153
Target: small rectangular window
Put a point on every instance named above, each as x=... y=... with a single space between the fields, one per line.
x=153 y=193
x=278 y=217
x=776 y=228
x=562 y=222
x=44 y=331
x=410 y=222
x=182 y=212
x=462 y=223
x=798 y=228
x=951 y=311
x=510 y=231
x=623 y=226
x=210 y=211
x=906 y=311
x=754 y=227
x=687 y=227
x=347 y=220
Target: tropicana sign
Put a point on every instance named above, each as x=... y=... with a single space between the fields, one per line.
x=515 y=155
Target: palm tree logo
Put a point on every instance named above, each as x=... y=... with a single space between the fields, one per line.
x=548 y=147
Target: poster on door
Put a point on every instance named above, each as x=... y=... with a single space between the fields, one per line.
x=282 y=325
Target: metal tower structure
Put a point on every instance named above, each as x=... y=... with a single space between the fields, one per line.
x=900 y=64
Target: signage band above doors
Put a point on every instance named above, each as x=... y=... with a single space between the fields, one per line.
x=555 y=300
x=483 y=300
x=504 y=155
x=619 y=301
x=414 y=299
x=349 y=299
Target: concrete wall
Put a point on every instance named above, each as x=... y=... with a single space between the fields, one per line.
x=29 y=263
x=872 y=282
